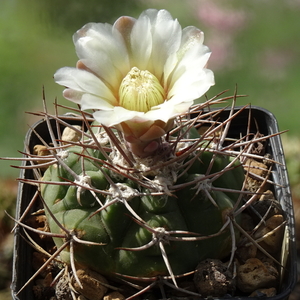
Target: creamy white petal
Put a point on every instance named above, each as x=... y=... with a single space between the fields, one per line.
x=191 y=85
x=113 y=76
x=117 y=115
x=84 y=81
x=169 y=67
x=166 y=39
x=168 y=111
x=76 y=79
x=141 y=43
x=189 y=82
x=192 y=38
x=73 y=95
x=89 y=101
x=194 y=60
x=192 y=56
x=124 y=26
x=102 y=49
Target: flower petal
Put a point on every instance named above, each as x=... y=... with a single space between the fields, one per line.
x=73 y=95
x=191 y=85
x=103 y=50
x=190 y=36
x=166 y=38
x=86 y=82
x=192 y=55
x=168 y=111
x=141 y=43
x=89 y=101
x=117 y=115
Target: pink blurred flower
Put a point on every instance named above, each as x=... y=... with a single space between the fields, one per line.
x=223 y=24
x=220 y=18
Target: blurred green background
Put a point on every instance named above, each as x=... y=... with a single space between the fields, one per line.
x=255 y=45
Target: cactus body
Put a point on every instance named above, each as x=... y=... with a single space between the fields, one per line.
x=126 y=243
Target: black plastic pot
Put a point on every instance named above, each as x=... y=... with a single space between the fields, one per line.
x=259 y=118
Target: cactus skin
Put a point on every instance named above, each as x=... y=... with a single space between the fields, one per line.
x=187 y=210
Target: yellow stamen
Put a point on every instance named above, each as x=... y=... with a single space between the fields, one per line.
x=140 y=90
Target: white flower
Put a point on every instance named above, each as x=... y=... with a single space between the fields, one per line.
x=138 y=74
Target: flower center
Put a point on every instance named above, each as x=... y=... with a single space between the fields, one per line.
x=140 y=90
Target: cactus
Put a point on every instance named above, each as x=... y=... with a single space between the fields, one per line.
x=149 y=186
x=142 y=228
x=143 y=220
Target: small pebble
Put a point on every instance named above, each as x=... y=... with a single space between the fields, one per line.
x=272 y=243
x=71 y=135
x=254 y=274
x=92 y=282
x=114 y=296
x=213 y=278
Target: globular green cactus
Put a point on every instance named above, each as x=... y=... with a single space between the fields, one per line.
x=150 y=185
x=170 y=217
x=138 y=222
